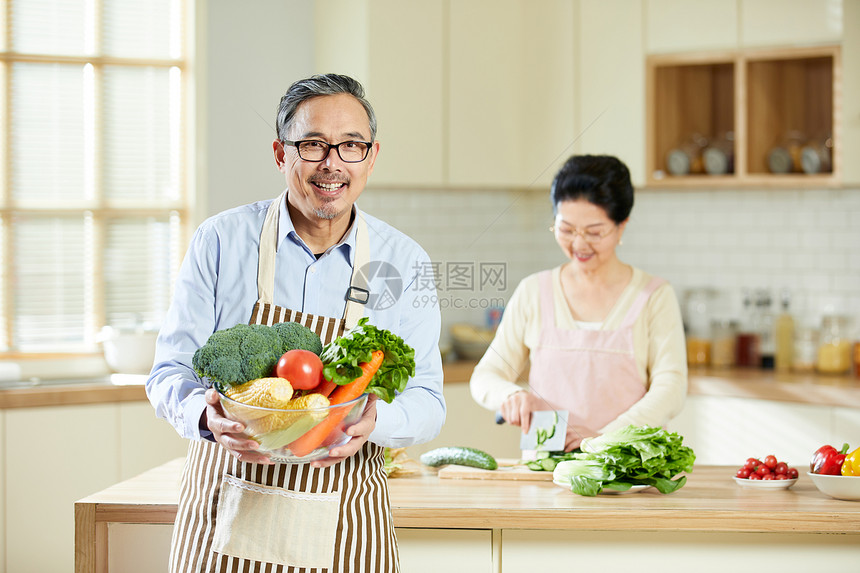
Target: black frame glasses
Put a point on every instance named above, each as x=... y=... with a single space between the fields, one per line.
x=328 y=148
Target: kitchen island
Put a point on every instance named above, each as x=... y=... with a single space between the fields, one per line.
x=507 y=526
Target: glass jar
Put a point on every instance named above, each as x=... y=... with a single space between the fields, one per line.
x=723 y=335
x=697 y=319
x=805 y=350
x=686 y=157
x=834 y=347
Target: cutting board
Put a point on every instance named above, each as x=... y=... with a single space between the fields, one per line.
x=509 y=469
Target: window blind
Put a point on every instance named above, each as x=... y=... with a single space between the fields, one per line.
x=92 y=194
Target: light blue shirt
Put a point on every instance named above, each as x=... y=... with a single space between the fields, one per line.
x=216 y=288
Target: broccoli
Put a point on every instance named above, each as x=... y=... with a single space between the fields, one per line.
x=245 y=352
x=238 y=354
x=294 y=335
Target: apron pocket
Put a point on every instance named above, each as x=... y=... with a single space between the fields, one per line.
x=274 y=525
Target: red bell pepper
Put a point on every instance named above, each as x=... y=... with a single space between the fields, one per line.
x=827 y=460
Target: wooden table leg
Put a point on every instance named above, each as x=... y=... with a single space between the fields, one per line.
x=91 y=548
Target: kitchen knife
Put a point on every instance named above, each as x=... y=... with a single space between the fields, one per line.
x=547 y=431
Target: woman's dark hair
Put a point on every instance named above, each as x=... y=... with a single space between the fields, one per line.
x=602 y=180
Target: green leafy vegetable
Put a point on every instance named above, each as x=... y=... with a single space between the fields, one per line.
x=342 y=357
x=634 y=455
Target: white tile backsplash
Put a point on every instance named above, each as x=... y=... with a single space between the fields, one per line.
x=805 y=240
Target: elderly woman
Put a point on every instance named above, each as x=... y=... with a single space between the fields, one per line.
x=605 y=340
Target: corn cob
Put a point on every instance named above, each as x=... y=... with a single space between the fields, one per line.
x=262 y=392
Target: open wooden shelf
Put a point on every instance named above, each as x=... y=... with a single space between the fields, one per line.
x=749 y=102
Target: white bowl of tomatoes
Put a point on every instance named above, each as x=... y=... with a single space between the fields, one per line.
x=766 y=473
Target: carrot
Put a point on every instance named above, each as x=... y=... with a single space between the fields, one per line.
x=342 y=394
x=325 y=388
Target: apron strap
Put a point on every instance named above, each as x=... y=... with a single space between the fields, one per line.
x=641 y=299
x=268 y=250
x=357 y=294
x=547 y=305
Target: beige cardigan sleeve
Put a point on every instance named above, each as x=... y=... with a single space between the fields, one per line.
x=659 y=349
x=505 y=362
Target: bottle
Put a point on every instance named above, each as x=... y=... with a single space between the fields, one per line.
x=764 y=327
x=697 y=322
x=724 y=337
x=834 y=349
x=784 y=328
x=747 y=341
x=805 y=349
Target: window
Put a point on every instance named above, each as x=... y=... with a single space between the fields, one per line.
x=94 y=206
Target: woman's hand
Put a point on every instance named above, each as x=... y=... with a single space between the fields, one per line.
x=360 y=432
x=575 y=435
x=228 y=432
x=518 y=407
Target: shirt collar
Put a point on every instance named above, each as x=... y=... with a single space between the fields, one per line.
x=346 y=246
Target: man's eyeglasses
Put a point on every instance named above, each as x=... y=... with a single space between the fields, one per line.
x=589 y=237
x=316 y=150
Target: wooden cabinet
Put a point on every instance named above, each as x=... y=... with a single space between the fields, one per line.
x=53 y=456
x=765 y=117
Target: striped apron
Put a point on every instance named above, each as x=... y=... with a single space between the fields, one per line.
x=287 y=518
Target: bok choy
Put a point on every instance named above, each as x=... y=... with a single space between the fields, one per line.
x=634 y=455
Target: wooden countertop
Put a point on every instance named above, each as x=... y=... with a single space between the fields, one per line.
x=737 y=383
x=710 y=501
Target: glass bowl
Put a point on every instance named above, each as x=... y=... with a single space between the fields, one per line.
x=839 y=487
x=276 y=430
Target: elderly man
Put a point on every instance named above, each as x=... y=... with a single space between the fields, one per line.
x=301 y=256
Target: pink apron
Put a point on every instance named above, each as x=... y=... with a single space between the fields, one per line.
x=590 y=373
x=286 y=518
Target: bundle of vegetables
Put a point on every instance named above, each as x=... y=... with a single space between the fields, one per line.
x=343 y=359
x=619 y=460
x=365 y=359
x=246 y=352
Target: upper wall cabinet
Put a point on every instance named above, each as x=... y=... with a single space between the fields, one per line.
x=673 y=26
x=396 y=49
x=510 y=92
x=745 y=118
x=790 y=22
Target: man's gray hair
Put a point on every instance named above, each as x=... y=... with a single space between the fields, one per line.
x=320 y=85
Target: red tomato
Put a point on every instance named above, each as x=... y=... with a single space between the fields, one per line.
x=780 y=476
x=754 y=476
x=792 y=473
x=781 y=468
x=763 y=470
x=302 y=368
x=752 y=463
x=768 y=476
x=743 y=473
x=770 y=461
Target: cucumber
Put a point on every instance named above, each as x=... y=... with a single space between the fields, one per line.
x=460 y=456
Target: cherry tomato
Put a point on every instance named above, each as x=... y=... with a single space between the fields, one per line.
x=763 y=470
x=743 y=473
x=781 y=468
x=768 y=476
x=779 y=476
x=770 y=461
x=754 y=476
x=302 y=368
x=792 y=473
x=752 y=463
